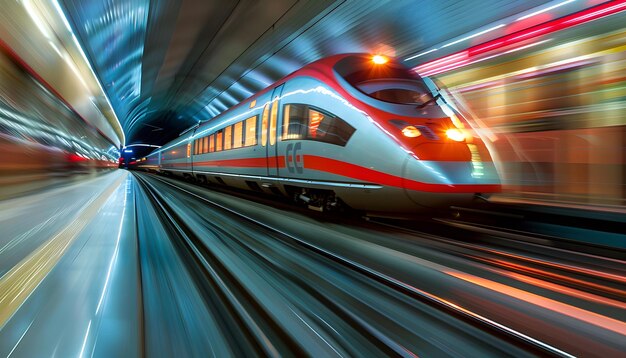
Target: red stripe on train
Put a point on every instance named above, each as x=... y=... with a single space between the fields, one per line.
x=373 y=176
x=353 y=171
x=243 y=162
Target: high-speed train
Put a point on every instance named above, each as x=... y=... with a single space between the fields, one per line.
x=352 y=129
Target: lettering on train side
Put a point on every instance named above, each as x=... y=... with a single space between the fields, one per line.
x=293 y=158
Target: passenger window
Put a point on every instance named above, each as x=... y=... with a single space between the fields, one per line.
x=264 y=120
x=237 y=134
x=285 y=134
x=295 y=122
x=306 y=122
x=273 y=120
x=250 y=131
x=218 y=141
x=205 y=144
x=228 y=137
x=211 y=143
x=195 y=147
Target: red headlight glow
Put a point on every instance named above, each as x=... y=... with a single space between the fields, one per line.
x=455 y=134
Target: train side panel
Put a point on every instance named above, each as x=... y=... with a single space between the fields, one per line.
x=176 y=158
x=341 y=150
x=227 y=150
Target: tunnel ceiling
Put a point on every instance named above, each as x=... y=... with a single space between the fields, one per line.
x=166 y=65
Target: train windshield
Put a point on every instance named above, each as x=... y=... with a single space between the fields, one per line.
x=396 y=90
x=389 y=82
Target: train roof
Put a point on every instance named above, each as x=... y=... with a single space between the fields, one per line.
x=321 y=66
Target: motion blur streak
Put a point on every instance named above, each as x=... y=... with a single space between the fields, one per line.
x=40 y=137
x=506 y=42
x=82 y=350
x=17 y=284
x=20 y=340
x=565 y=290
x=568 y=268
x=65 y=71
x=565 y=278
x=117 y=249
x=54 y=118
x=565 y=309
x=556 y=110
x=94 y=280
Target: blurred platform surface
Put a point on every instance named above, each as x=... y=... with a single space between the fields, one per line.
x=69 y=271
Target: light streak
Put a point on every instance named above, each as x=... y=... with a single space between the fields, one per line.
x=142 y=145
x=544 y=10
x=580 y=314
x=474 y=35
x=20 y=340
x=82 y=351
x=115 y=253
x=35 y=15
x=452 y=61
x=97 y=80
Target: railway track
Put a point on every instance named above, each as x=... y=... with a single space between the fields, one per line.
x=597 y=232
x=214 y=280
x=320 y=290
x=529 y=254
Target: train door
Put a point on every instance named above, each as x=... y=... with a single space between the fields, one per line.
x=269 y=135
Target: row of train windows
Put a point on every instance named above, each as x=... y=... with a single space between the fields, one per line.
x=238 y=135
x=301 y=122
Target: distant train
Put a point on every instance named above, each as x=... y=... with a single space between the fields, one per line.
x=353 y=129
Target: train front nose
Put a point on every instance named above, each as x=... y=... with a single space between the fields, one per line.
x=444 y=174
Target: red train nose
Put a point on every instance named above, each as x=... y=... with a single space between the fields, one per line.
x=443 y=151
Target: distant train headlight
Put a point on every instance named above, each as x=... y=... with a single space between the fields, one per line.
x=411 y=132
x=455 y=134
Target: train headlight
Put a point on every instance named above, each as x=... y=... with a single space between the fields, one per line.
x=455 y=134
x=411 y=132
x=379 y=59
